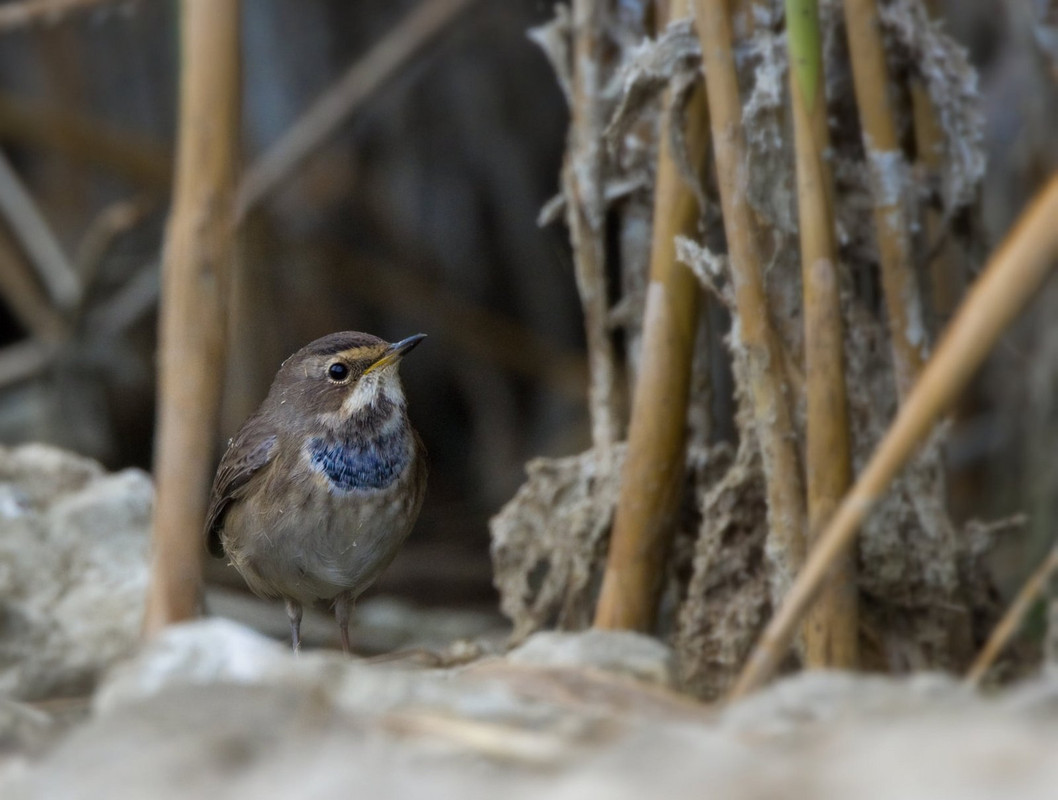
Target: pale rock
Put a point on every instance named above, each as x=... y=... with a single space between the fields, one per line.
x=197 y=653
x=22 y=728
x=73 y=569
x=819 y=698
x=210 y=709
x=622 y=652
x=217 y=651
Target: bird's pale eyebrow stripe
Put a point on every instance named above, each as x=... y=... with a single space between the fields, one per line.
x=361 y=353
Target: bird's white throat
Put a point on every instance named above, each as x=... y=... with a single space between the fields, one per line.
x=375 y=389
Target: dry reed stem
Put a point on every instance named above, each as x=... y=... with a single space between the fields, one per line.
x=888 y=175
x=345 y=97
x=582 y=181
x=197 y=264
x=754 y=338
x=14 y=16
x=25 y=360
x=109 y=225
x=945 y=285
x=1009 y=281
x=28 y=226
x=831 y=632
x=85 y=140
x=652 y=478
x=25 y=298
x=1012 y=619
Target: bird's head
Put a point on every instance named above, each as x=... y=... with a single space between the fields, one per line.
x=341 y=378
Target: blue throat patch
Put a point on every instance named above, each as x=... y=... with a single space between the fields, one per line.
x=372 y=464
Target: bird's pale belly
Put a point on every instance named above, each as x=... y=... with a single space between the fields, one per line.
x=326 y=540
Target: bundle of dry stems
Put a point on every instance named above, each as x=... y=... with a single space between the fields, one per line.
x=785 y=174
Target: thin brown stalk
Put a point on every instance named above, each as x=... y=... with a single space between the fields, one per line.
x=889 y=176
x=582 y=182
x=24 y=360
x=653 y=471
x=831 y=632
x=1012 y=619
x=14 y=16
x=346 y=96
x=757 y=343
x=197 y=263
x=25 y=298
x=1009 y=281
x=945 y=286
x=108 y=226
x=33 y=233
x=85 y=140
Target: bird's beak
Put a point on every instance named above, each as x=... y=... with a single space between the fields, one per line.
x=396 y=351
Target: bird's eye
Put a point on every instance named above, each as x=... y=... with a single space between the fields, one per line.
x=337 y=371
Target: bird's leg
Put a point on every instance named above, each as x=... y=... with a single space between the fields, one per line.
x=294 y=613
x=342 y=606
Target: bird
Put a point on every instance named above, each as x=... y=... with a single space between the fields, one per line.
x=318 y=490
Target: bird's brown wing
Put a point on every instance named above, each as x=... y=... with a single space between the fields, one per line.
x=252 y=449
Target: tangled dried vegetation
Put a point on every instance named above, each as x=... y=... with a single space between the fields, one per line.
x=925 y=594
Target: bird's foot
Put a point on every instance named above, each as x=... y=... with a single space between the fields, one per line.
x=294 y=613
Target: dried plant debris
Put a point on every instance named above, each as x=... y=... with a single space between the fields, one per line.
x=712 y=269
x=554 y=39
x=924 y=581
x=549 y=547
x=670 y=61
x=927 y=597
x=727 y=600
x=626 y=169
x=636 y=227
x=918 y=47
x=772 y=189
x=549 y=541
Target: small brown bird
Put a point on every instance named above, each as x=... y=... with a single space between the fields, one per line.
x=320 y=487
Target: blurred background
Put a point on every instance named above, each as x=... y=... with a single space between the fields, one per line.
x=418 y=215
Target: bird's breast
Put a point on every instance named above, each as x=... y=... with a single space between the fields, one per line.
x=353 y=464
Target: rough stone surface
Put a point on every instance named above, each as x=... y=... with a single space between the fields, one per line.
x=212 y=709
x=632 y=654
x=221 y=652
x=73 y=569
x=22 y=728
